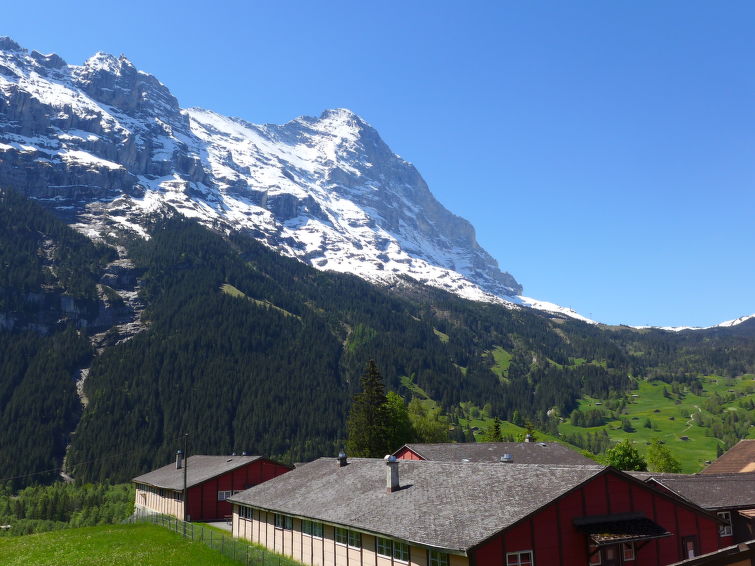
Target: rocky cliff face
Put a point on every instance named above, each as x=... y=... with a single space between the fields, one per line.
x=106 y=143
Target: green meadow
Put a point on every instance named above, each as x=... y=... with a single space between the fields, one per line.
x=116 y=545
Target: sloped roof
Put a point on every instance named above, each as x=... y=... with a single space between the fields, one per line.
x=739 y=458
x=448 y=505
x=712 y=491
x=522 y=452
x=199 y=469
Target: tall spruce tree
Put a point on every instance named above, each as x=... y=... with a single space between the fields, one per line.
x=368 y=423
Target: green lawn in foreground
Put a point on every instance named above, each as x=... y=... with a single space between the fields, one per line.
x=116 y=545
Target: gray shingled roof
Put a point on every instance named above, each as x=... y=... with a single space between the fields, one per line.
x=713 y=491
x=449 y=505
x=199 y=469
x=522 y=452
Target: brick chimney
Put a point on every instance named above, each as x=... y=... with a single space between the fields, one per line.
x=391 y=478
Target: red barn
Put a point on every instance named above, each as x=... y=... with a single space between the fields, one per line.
x=431 y=513
x=210 y=481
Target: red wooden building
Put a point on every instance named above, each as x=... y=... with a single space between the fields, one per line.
x=210 y=481
x=433 y=513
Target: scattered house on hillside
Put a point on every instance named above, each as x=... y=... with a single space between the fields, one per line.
x=210 y=481
x=739 y=458
x=370 y=512
x=511 y=452
x=730 y=496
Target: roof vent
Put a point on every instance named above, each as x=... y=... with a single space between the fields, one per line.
x=507 y=458
x=243 y=453
x=528 y=438
x=179 y=459
x=543 y=444
x=392 y=483
x=342 y=459
x=229 y=460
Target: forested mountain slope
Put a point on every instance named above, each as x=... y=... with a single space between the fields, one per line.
x=246 y=350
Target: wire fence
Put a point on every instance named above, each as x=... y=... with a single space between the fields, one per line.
x=232 y=548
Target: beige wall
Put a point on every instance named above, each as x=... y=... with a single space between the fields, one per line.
x=321 y=551
x=151 y=501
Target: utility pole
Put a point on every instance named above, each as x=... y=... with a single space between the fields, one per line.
x=186 y=465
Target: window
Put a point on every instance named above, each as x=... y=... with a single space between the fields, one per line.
x=627 y=551
x=595 y=556
x=342 y=535
x=246 y=512
x=311 y=528
x=283 y=521
x=438 y=558
x=725 y=530
x=384 y=547
x=355 y=539
x=522 y=558
x=400 y=551
x=225 y=494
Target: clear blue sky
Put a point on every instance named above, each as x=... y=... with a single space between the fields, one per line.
x=604 y=151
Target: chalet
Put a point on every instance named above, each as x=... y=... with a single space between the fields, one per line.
x=369 y=512
x=210 y=481
x=730 y=496
x=740 y=458
x=510 y=452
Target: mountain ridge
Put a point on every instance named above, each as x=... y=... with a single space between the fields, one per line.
x=108 y=142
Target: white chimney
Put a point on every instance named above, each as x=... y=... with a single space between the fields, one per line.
x=391 y=478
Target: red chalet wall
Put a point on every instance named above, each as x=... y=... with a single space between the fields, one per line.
x=203 y=498
x=407 y=454
x=551 y=534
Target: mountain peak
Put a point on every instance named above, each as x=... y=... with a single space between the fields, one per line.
x=107 y=62
x=7 y=44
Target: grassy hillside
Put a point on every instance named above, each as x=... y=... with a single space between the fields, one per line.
x=125 y=545
x=696 y=423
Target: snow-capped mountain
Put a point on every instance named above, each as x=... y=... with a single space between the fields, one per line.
x=107 y=143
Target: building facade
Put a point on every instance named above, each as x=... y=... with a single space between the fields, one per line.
x=210 y=481
x=457 y=514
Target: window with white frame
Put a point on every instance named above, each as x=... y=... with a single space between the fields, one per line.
x=311 y=528
x=400 y=551
x=726 y=529
x=388 y=548
x=355 y=539
x=384 y=547
x=225 y=494
x=341 y=535
x=627 y=551
x=283 y=521
x=246 y=512
x=438 y=558
x=521 y=558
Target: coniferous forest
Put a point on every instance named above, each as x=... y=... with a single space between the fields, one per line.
x=245 y=350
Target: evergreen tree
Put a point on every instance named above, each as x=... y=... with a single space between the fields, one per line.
x=495 y=433
x=624 y=456
x=659 y=459
x=367 y=426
